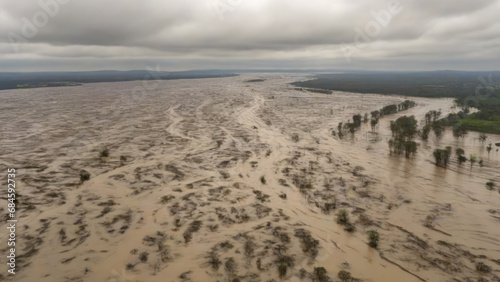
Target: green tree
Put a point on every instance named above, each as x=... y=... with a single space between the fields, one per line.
x=438 y=129
x=425 y=132
x=390 y=109
x=410 y=148
x=404 y=129
x=459 y=131
x=442 y=157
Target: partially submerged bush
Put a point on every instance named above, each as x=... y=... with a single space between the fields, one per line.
x=442 y=157
x=166 y=199
x=285 y=260
x=84 y=176
x=144 y=256
x=309 y=244
x=320 y=274
x=490 y=185
x=187 y=236
x=230 y=265
x=282 y=270
x=344 y=275
x=213 y=260
x=373 y=238
x=342 y=217
x=193 y=227
x=283 y=236
x=349 y=227
x=481 y=267
x=52 y=195
x=302 y=183
x=226 y=245
x=249 y=248
x=263 y=180
x=105 y=153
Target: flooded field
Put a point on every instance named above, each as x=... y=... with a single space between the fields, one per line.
x=229 y=180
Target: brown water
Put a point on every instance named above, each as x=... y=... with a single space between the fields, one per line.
x=207 y=143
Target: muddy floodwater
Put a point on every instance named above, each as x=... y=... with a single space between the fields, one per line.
x=230 y=180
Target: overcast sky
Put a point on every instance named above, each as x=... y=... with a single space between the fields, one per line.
x=202 y=34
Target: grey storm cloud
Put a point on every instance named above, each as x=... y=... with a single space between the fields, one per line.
x=360 y=34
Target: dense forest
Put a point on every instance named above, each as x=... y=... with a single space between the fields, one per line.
x=454 y=84
x=471 y=89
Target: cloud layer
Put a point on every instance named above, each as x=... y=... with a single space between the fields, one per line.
x=40 y=35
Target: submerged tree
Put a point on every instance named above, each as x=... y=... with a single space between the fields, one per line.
x=373 y=123
x=442 y=157
x=431 y=121
x=459 y=131
x=390 y=109
x=340 y=129
x=404 y=129
x=472 y=160
x=356 y=119
x=425 y=132
x=482 y=137
x=351 y=127
x=438 y=129
x=460 y=155
x=432 y=117
x=489 y=148
x=374 y=120
x=406 y=105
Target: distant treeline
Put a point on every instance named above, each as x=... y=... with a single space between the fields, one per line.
x=487 y=119
x=256 y=80
x=394 y=108
x=480 y=87
x=48 y=84
x=48 y=79
x=321 y=91
x=454 y=84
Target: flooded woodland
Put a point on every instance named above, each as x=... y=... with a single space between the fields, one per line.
x=239 y=179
